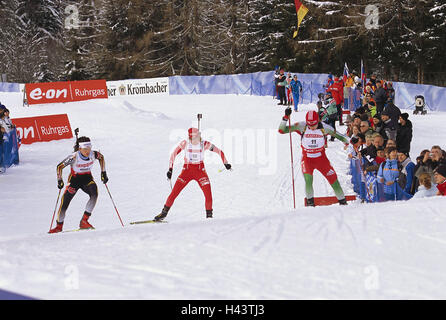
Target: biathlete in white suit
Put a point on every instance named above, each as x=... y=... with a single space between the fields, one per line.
x=313 y=143
x=193 y=169
x=81 y=162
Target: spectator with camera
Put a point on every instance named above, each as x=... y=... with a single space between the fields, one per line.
x=431 y=160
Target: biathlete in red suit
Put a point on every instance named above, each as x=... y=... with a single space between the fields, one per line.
x=313 y=145
x=193 y=169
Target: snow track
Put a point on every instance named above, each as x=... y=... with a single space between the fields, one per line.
x=256 y=247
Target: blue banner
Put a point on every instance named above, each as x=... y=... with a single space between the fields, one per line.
x=258 y=84
x=9 y=87
x=9 y=150
x=262 y=84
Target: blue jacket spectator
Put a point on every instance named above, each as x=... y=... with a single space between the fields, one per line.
x=388 y=173
x=296 y=88
x=407 y=168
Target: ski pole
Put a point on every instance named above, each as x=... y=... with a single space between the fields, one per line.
x=114 y=204
x=292 y=163
x=55 y=208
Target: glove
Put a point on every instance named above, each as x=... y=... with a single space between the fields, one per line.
x=104 y=177
x=228 y=166
x=169 y=174
x=60 y=183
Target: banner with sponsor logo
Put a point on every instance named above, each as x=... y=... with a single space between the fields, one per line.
x=45 y=128
x=138 y=87
x=70 y=91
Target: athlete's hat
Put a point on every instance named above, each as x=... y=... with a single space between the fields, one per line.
x=312 y=118
x=84 y=145
x=192 y=132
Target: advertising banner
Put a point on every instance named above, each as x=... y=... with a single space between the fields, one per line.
x=58 y=92
x=139 y=87
x=45 y=128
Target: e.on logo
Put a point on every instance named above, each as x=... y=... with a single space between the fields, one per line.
x=37 y=94
x=51 y=92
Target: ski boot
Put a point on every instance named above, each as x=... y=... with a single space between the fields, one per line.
x=343 y=202
x=162 y=215
x=310 y=202
x=57 y=229
x=208 y=214
x=84 y=224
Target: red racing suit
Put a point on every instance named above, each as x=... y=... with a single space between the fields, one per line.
x=313 y=145
x=193 y=169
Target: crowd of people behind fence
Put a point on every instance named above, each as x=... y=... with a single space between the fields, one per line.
x=381 y=137
x=380 y=133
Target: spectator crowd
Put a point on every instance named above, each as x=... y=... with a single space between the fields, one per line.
x=381 y=137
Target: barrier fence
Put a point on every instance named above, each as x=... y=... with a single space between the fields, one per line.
x=262 y=84
x=9 y=87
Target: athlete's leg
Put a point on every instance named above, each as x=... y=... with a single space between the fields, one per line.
x=205 y=185
x=329 y=173
x=182 y=181
x=65 y=202
x=338 y=190
x=307 y=170
x=92 y=190
x=296 y=101
x=309 y=191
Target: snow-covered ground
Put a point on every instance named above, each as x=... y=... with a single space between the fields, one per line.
x=256 y=247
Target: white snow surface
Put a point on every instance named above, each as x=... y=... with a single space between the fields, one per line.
x=256 y=247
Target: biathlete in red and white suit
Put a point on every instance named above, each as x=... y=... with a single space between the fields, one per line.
x=193 y=169
x=313 y=145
